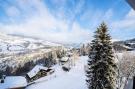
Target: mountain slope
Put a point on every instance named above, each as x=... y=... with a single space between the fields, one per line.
x=15 y=50
x=124 y=45
x=15 y=44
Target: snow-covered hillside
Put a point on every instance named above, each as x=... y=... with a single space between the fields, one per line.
x=16 y=50
x=127 y=44
x=16 y=44
x=74 y=79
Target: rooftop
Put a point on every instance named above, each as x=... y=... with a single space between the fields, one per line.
x=35 y=70
x=13 y=82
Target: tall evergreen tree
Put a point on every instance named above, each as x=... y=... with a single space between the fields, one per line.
x=102 y=69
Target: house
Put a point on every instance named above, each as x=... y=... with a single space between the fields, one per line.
x=37 y=72
x=64 y=59
x=67 y=63
x=13 y=82
x=66 y=67
x=69 y=54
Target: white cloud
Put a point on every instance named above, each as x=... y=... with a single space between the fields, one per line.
x=12 y=11
x=131 y=14
x=58 y=2
x=108 y=14
x=47 y=32
x=43 y=24
x=127 y=23
x=95 y=17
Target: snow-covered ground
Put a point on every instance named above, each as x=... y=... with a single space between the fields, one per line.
x=74 y=79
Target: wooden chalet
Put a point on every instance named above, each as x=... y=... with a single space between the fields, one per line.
x=37 y=72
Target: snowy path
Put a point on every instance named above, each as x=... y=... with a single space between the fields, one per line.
x=74 y=79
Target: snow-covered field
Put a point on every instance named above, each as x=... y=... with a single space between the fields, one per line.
x=74 y=79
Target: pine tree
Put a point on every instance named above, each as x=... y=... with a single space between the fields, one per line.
x=102 y=69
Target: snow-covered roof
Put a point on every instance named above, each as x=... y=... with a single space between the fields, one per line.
x=64 y=59
x=13 y=82
x=35 y=70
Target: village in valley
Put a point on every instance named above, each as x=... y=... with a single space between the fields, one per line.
x=67 y=44
x=40 y=73
x=63 y=65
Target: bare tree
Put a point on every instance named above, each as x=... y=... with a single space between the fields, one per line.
x=126 y=65
x=74 y=57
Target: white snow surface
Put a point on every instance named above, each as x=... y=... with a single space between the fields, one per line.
x=74 y=79
x=13 y=82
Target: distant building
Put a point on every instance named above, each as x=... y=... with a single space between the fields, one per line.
x=13 y=82
x=66 y=67
x=64 y=60
x=69 y=54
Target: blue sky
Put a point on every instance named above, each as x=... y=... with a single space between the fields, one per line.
x=66 y=20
